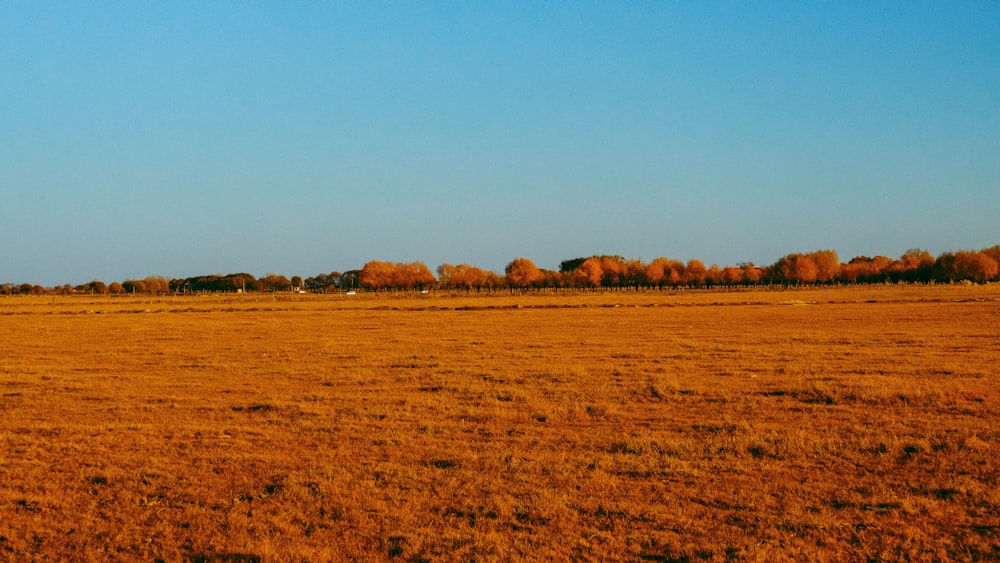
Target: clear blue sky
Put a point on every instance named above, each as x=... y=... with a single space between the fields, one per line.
x=186 y=138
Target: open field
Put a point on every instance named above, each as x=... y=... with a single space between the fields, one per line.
x=824 y=424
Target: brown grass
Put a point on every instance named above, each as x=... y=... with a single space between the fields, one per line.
x=810 y=425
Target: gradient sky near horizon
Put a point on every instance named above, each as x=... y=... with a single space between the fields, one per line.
x=188 y=138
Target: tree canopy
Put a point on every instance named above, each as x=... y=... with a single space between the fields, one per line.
x=597 y=271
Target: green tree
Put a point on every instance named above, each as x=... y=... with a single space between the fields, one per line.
x=569 y=266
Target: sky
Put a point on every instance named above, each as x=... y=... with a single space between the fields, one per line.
x=303 y=137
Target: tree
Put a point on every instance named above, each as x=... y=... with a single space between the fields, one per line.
x=676 y=273
x=803 y=268
x=522 y=272
x=116 y=288
x=713 y=275
x=914 y=265
x=944 y=267
x=694 y=272
x=607 y=271
x=797 y=268
x=350 y=279
x=656 y=271
x=156 y=284
x=462 y=276
x=862 y=269
x=751 y=273
x=297 y=283
x=273 y=282
x=97 y=287
x=732 y=276
x=550 y=278
x=612 y=270
x=827 y=265
x=993 y=252
x=975 y=266
x=376 y=275
x=322 y=282
x=385 y=275
x=569 y=266
x=134 y=286
x=240 y=282
x=446 y=274
x=853 y=271
x=589 y=272
x=634 y=274
x=413 y=275
x=914 y=258
x=662 y=271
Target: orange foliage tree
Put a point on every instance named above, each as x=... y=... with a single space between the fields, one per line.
x=827 y=265
x=414 y=275
x=662 y=271
x=608 y=271
x=914 y=265
x=464 y=276
x=522 y=272
x=376 y=275
x=862 y=269
x=713 y=275
x=993 y=252
x=612 y=270
x=695 y=272
x=149 y=284
x=821 y=266
x=634 y=273
x=590 y=272
x=975 y=266
x=467 y=277
x=656 y=271
x=379 y=275
x=751 y=273
x=796 y=268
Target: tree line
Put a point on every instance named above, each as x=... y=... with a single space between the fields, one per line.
x=604 y=271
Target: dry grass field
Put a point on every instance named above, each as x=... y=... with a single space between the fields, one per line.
x=835 y=424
